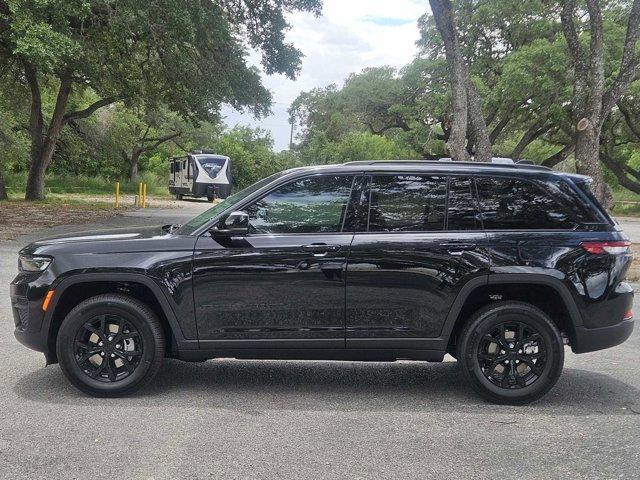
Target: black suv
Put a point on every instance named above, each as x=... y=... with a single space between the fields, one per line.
x=498 y=264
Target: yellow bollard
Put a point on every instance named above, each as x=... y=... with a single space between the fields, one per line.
x=117 y=194
x=144 y=195
x=140 y=195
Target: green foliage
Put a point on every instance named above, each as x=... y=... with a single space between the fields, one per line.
x=91 y=185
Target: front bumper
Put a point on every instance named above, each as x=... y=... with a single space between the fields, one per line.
x=28 y=316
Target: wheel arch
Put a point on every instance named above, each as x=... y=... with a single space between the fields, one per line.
x=548 y=293
x=76 y=288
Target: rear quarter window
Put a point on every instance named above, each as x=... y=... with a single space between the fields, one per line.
x=517 y=204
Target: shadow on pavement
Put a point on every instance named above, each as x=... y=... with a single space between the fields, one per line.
x=257 y=386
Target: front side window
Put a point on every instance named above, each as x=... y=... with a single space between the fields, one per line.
x=407 y=203
x=514 y=204
x=310 y=205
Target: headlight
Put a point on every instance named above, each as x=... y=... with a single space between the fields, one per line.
x=27 y=263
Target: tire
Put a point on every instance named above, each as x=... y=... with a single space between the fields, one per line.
x=532 y=358
x=211 y=199
x=116 y=327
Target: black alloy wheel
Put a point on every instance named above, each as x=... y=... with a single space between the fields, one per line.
x=512 y=355
x=110 y=345
x=108 y=348
x=511 y=352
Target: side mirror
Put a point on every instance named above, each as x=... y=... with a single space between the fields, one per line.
x=235 y=225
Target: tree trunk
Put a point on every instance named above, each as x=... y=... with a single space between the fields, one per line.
x=133 y=166
x=588 y=163
x=3 y=188
x=35 y=180
x=592 y=104
x=479 y=131
x=43 y=144
x=443 y=16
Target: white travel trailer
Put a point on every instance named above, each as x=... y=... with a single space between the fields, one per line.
x=200 y=174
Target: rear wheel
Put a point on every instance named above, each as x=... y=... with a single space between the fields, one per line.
x=110 y=345
x=511 y=353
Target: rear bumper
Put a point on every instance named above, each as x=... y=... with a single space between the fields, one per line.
x=592 y=339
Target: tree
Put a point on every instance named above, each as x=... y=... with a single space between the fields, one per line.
x=593 y=100
x=465 y=100
x=132 y=132
x=189 y=55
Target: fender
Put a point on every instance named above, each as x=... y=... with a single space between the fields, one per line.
x=502 y=278
x=74 y=279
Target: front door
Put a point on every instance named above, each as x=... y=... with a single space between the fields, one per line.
x=282 y=285
x=422 y=242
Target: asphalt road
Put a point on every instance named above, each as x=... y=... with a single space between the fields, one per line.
x=264 y=419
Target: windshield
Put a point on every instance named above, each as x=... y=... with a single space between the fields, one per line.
x=212 y=165
x=202 y=219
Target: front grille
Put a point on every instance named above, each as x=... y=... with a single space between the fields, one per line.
x=20 y=307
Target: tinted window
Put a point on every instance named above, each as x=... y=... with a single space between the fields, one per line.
x=407 y=203
x=462 y=208
x=311 y=205
x=517 y=204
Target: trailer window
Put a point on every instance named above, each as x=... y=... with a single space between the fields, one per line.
x=212 y=165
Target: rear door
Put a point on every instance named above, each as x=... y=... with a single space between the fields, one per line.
x=422 y=242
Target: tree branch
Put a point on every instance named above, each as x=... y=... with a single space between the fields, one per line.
x=629 y=65
x=560 y=156
x=90 y=109
x=497 y=130
x=620 y=172
x=626 y=113
x=159 y=141
x=36 y=121
x=578 y=55
x=529 y=136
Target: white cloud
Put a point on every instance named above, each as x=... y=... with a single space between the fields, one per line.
x=349 y=36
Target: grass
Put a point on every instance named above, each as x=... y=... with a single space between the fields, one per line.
x=68 y=184
x=626 y=203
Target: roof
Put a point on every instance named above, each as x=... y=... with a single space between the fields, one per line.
x=496 y=162
x=443 y=166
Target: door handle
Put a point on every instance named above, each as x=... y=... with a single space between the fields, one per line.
x=320 y=249
x=458 y=248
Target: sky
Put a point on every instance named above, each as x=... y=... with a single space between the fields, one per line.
x=349 y=36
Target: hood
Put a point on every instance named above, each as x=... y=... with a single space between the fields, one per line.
x=136 y=239
x=109 y=235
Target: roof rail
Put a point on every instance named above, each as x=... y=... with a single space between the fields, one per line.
x=496 y=162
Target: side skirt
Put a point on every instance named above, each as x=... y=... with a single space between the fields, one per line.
x=360 y=355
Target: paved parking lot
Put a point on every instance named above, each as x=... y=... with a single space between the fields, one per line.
x=263 y=419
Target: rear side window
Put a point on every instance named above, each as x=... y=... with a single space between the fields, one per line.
x=462 y=207
x=407 y=203
x=515 y=204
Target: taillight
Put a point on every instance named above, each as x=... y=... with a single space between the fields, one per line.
x=611 y=248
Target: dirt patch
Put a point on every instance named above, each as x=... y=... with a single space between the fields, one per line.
x=18 y=217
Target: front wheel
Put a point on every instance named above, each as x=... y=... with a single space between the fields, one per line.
x=511 y=353
x=110 y=345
